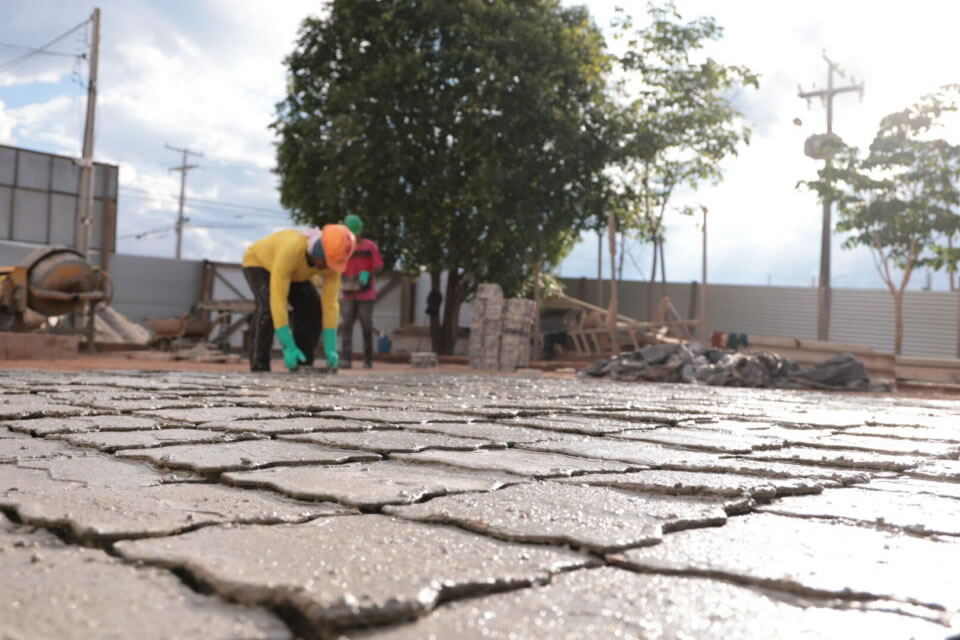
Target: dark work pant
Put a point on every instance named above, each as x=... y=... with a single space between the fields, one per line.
x=305 y=321
x=353 y=310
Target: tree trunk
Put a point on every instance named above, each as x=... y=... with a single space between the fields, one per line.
x=451 y=313
x=651 y=284
x=898 y=315
x=612 y=307
x=537 y=338
x=953 y=274
x=435 y=334
x=623 y=246
x=663 y=273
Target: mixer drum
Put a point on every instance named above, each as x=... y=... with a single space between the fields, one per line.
x=55 y=272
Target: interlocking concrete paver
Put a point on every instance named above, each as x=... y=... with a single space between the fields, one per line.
x=385 y=442
x=918 y=486
x=703 y=440
x=841 y=458
x=879 y=444
x=370 y=485
x=515 y=461
x=47 y=426
x=249 y=454
x=767 y=469
x=292 y=425
x=687 y=483
x=945 y=433
x=605 y=463
x=613 y=603
x=596 y=518
x=53 y=591
x=117 y=440
x=913 y=512
x=803 y=555
x=937 y=470
x=392 y=416
x=213 y=414
x=567 y=424
x=489 y=431
x=20 y=447
x=352 y=569
x=101 y=512
x=34 y=406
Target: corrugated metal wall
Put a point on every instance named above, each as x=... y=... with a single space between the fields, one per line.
x=39 y=195
x=161 y=287
x=861 y=316
x=146 y=287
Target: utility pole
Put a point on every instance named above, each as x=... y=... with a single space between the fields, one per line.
x=823 y=288
x=703 y=283
x=183 y=168
x=83 y=230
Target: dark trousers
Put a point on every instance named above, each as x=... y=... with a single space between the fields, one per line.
x=352 y=310
x=305 y=320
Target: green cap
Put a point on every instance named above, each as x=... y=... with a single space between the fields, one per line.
x=354 y=223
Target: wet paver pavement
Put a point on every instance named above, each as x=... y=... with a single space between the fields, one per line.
x=160 y=505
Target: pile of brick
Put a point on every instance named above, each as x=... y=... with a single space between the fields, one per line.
x=500 y=330
x=486 y=327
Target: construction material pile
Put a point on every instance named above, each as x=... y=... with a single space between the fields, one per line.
x=112 y=326
x=500 y=330
x=721 y=367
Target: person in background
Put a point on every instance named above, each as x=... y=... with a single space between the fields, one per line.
x=278 y=268
x=359 y=292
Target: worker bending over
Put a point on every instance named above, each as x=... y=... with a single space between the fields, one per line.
x=359 y=292
x=278 y=268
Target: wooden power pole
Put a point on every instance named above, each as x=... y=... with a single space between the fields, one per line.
x=83 y=231
x=183 y=168
x=823 y=287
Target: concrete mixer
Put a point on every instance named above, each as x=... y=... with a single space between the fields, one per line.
x=51 y=281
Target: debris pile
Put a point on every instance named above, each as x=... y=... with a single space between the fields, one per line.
x=721 y=367
x=500 y=330
x=112 y=326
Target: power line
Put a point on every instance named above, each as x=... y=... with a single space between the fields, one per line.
x=213 y=203
x=15 y=47
x=19 y=60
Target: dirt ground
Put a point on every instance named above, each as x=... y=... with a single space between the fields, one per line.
x=119 y=361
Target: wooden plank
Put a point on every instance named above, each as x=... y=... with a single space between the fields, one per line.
x=37 y=346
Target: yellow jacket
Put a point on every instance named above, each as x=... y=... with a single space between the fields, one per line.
x=284 y=255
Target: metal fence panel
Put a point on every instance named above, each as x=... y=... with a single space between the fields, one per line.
x=38 y=198
x=6 y=208
x=146 y=287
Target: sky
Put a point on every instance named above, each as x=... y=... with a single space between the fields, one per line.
x=207 y=74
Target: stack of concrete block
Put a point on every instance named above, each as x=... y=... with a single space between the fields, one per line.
x=500 y=330
x=486 y=327
x=518 y=317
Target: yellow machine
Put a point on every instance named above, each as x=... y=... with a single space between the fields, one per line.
x=51 y=281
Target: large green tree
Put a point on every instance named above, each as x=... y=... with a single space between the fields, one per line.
x=681 y=117
x=898 y=199
x=469 y=135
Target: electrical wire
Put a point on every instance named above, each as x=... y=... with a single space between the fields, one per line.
x=15 y=47
x=249 y=210
x=19 y=60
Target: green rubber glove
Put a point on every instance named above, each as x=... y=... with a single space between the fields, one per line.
x=292 y=356
x=330 y=348
x=364 y=278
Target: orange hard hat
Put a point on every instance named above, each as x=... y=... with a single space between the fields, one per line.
x=338 y=244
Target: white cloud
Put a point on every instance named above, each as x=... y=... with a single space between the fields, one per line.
x=209 y=79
